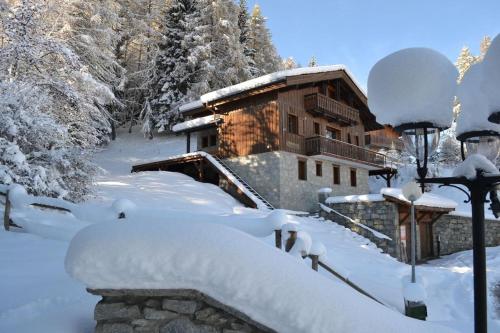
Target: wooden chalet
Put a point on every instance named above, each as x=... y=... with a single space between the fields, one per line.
x=290 y=133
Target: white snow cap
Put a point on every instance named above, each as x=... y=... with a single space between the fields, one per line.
x=123 y=206
x=413 y=85
x=194 y=123
x=474 y=109
x=414 y=292
x=491 y=82
x=317 y=249
x=18 y=196
x=277 y=218
x=325 y=190
x=472 y=163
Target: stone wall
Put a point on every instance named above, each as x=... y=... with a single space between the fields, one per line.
x=456 y=233
x=168 y=311
x=379 y=215
x=275 y=176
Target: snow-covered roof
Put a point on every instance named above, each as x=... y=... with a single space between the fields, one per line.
x=195 y=123
x=426 y=200
x=263 y=81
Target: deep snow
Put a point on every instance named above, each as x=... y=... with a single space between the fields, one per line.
x=38 y=294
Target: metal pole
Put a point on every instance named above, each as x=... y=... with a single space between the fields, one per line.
x=479 y=259
x=413 y=242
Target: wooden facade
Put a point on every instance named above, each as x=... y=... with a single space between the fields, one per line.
x=323 y=111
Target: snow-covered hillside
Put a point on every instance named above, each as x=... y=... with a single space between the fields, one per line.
x=38 y=294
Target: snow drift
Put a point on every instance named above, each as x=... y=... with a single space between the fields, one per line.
x=270 y=286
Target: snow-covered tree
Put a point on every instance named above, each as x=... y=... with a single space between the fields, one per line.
x=313 y=62
x=464 y=61
x=289 y=63
x=36 y=150
x=173 y=75
x=266 y=57
x=246 y=38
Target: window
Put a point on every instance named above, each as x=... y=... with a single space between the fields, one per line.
x=349 y=138
x=357 y=140
x=293 y=124
x=368 y=139
x=332 y=133
x=204 y=142
x=319 y=169
x=302 y=170
x=213 y=140
x=354 y=181
x=317 y=130
x=336 y=175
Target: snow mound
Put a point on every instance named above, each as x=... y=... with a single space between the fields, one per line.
x=277 y=218
x=414 y=292
x=474 y=110
x=18 y=196
x=491 y=81
x=123 y=206
x=413 y=85
x=427 y=199
x=472 y=164
x=236 y=269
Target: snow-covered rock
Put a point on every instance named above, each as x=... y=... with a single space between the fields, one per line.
x=413 y=85
x=124 y=206
x=234 y=268
x=277 y=218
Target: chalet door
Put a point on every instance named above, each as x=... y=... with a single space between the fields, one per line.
x=426 y=249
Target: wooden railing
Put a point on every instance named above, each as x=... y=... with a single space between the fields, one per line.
x=321 y=105
x=320 y=145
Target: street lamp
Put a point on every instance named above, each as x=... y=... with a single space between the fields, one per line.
x=426 y=80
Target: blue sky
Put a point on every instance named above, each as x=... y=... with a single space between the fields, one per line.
x=358 y=33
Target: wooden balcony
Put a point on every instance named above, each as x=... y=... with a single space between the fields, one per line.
x=319 y=145
x=320 y=105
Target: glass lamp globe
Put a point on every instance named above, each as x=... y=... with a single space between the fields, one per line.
x=416 y=139
x=488 y=146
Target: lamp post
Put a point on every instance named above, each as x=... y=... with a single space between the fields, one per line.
x=426 y=74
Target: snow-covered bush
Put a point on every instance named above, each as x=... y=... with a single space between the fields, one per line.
x=35 y=150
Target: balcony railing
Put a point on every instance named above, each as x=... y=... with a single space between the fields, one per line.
x=322 y=106
x=320 y=145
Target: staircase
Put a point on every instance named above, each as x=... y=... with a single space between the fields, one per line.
x=243 y=183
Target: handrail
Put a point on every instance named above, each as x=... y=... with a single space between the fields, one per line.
x=375 y=233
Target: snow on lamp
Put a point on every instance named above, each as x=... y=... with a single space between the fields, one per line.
x=476 y=134
x=490 y=84
x=413 y=90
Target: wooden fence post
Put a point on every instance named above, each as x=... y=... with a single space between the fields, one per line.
x=277 y=238
x=6 y=214
x=315 y=261
x=291 y=240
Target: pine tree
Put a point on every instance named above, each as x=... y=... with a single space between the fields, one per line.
x=246 y=38
x=172 y=79
x=313 y=62
x=289 y=63
x=464 y=61
x=266 y=57
x=484 y=46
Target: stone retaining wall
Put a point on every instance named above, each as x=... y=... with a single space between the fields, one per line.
x=379 y=215
x=456 y=233
x=168 y=311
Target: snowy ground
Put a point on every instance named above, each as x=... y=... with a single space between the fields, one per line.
x=37 y=293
